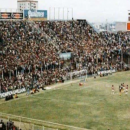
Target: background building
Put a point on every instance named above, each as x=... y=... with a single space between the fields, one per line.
x=104 y=27
x=27 y=4
x=121 y=26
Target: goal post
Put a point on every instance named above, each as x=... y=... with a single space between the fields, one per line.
x=82 y=75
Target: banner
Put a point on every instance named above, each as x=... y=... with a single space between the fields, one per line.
x=106 y=72
x=17 y=15
x=78 y=72
x=3 y=95
x=65 y=56
x=5 y=15
x=35 y=14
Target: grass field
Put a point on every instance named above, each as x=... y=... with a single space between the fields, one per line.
x=91 y=106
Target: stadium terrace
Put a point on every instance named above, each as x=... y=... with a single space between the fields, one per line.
x=30 y=53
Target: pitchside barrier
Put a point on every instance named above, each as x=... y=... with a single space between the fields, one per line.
x=33 y=124
x=81 y=75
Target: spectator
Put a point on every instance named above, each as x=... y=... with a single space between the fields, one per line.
x=30 y=52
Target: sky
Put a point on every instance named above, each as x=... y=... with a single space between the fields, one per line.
x=91 y=10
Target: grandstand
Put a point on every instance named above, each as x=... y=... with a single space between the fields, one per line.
x=42 y=63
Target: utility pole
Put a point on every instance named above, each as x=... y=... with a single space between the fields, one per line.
x=72 y=12
x=54 y=13
x=106 y=25
x=67 y=13
x=63 y=13
x=59 y=13
x=49 y=13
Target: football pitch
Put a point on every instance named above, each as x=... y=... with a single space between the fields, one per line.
x=91 y=106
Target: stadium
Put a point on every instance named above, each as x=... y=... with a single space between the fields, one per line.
x=62 y=74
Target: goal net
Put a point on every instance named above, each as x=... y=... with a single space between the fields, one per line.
x=82 y=75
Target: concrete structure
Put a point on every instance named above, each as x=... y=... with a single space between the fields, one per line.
x=27 y=4
x=121 y=26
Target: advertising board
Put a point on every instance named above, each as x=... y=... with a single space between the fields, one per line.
x=17 y=15
x=3 y=95
x=5 y=15
x=35 y=14
x=10 y=15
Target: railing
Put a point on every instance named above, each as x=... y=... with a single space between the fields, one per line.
x=93 y=27
x=41 y=31
x=34 y=124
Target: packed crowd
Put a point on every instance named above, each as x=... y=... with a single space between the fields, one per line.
x=30 y=52
x=8 y=126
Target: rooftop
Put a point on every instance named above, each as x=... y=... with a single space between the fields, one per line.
x=26 y=0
